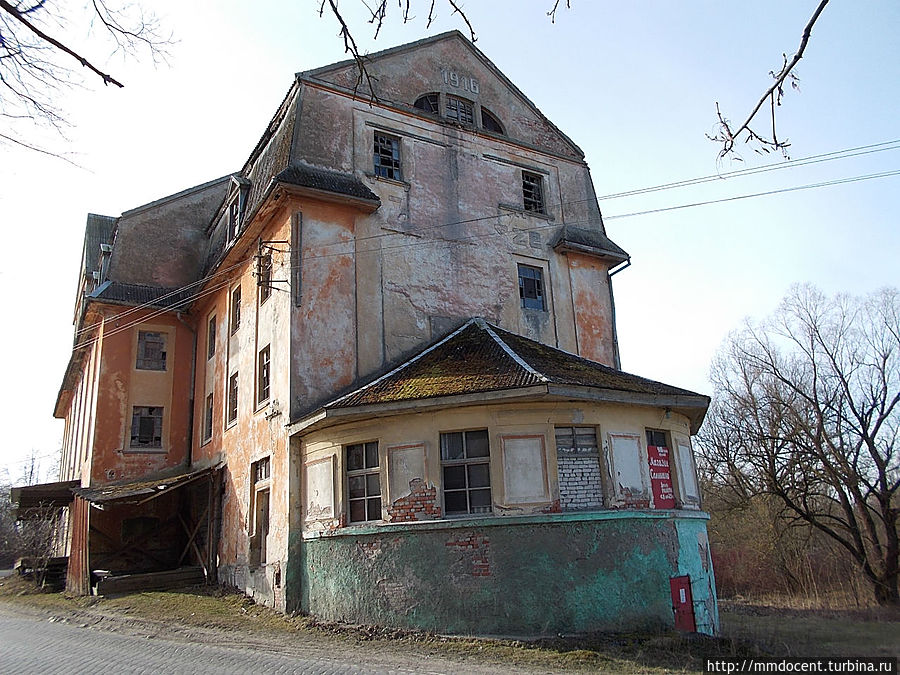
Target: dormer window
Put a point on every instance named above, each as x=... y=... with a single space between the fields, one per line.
x=233 y=218
x=430 y=103
x=460 y=110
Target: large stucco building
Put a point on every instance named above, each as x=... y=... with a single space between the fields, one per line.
x=374 y=374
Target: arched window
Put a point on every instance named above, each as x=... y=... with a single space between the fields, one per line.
x=489 y=121
x=428 y=103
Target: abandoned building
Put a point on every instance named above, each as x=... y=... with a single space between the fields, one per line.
x=374 y=375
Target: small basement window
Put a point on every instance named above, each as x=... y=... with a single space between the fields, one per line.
x=531 y=287
x=532 y=192
x=460 y=110
x=387 y=156
x=429 y=103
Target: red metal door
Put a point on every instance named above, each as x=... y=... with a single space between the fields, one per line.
x=683 y=604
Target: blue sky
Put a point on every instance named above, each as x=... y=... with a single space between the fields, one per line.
x=634 y=84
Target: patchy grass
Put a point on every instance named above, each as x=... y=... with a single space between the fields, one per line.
x=748 y=631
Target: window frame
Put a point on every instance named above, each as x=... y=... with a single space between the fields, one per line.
x=260 y=484
x=454 y=106
x=533 y=195
x=388 y=165
x=364 y=472
x=211 y=337
x=231 y=409
x=208 y=418
x=144 y=362
x=466 y=461
x=432 y=100
x=264 y=278
x=234 y=217
x=234 y=319
x=158 y=422
x=263 y=375
x=525 y=301
x=494 y=121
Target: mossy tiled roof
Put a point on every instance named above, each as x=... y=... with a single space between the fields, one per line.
x=479 y=358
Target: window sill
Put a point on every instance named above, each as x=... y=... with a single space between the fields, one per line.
x=144 y=451
x=390 y=181
x=525 y=212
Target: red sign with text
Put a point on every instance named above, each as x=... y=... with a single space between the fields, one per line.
x=661 y=477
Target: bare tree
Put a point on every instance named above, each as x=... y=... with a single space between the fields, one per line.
x=807 y=409
x=727 y=133
x=39 y=62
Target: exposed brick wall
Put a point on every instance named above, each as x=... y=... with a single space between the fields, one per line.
x=420 y=504
x=580 y=486
x=475 y=548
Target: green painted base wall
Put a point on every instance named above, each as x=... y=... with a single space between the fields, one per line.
x=507 y=576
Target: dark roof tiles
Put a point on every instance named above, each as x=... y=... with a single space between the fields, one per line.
x=307 y=176
x=480 y=358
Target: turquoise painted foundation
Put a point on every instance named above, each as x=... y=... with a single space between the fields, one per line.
x=535 y=575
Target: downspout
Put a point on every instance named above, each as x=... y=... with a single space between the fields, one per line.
x=190 y=437
x=612 y=307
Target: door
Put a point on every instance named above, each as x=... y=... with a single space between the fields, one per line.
x=683 y=604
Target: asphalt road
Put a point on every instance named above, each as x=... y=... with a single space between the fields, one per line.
x=45 y=645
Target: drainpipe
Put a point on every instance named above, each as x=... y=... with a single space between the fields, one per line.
x=612 y=306
x=190 y=437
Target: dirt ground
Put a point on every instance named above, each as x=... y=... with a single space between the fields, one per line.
x=221 y=617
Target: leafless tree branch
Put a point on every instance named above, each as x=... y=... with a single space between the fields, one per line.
x=728 y=136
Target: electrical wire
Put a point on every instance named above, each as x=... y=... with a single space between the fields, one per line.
x=814 y=159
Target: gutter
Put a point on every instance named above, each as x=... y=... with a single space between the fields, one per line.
x=612 y=308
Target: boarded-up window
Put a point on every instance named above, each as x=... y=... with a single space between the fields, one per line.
x=151 y=354
x=524 y=470
x=626 y=467
x=320 y=489
x=405 y=464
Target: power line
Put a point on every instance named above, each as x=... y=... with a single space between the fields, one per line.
x=847 y=153
x=839 y=181
x=831 y=156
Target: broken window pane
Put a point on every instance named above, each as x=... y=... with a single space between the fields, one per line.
x=460 y=110
x=387 y=156
x=428 y=103
x=489 y=122
x=533 y=192
x=151 y=354
x=146 y=427
x=531 y=287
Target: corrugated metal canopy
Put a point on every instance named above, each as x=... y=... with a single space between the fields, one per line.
x=140 y=491
x=51 y=495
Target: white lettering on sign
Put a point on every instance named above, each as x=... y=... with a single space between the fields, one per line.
x=682 y=595
x=454 y=79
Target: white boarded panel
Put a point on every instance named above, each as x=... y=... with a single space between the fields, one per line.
x=626 y=464
x=405 y=463
x=320 y=489
x=690 y=492
x=524 y=470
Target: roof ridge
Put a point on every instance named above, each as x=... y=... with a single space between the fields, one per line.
x=481 y=323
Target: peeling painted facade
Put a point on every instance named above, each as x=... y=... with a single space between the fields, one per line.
x=391 y=338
